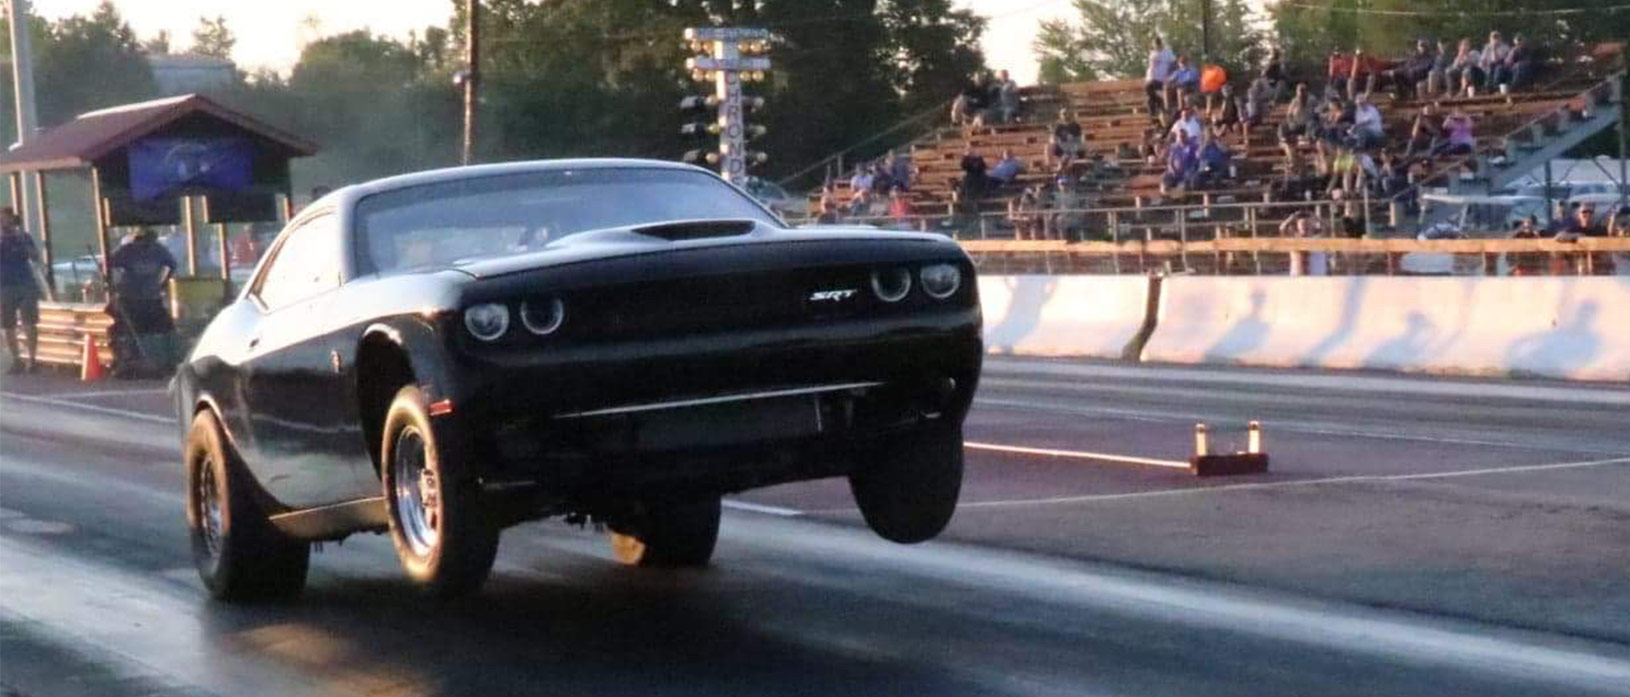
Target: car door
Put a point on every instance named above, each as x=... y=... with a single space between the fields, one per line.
x=292 y=386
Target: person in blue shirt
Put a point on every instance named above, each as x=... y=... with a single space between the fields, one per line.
x=1182 y=162
x=1214 y=159
x=19 y=290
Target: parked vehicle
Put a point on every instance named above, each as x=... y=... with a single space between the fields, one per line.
x=444 y=354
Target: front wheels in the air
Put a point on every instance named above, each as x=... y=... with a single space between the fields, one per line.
x=670 y=535
x=444 y=539
x=239 y=555
x=909 y=490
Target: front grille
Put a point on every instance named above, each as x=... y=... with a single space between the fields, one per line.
x=678 y=307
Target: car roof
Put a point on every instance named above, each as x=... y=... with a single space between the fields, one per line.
x=346 y=195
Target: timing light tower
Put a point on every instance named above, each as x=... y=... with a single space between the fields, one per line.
x=728 y=56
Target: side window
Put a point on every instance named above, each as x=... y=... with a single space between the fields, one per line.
x=305 y=265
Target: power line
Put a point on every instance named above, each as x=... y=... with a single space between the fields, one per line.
x=1559 y=12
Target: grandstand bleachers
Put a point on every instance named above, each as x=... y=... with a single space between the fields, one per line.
x=1115 y=121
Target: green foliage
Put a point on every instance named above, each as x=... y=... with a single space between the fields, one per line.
x=72 y=49
x=1311 y=29
x=213 y=38
x=1111 y=38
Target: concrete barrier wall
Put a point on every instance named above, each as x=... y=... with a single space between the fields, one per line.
x=1092 y=316
x=1577 y=328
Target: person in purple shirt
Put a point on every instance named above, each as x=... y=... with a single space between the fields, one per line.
x=1181 y=163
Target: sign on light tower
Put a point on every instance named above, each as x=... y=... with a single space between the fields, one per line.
x=728 y=56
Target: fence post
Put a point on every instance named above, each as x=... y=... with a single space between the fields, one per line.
x=1115 y=239
x=1182 y=237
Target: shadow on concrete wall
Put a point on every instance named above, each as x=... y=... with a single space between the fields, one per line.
x=1563 y=349
x=1027 y=295
x=1247 y=335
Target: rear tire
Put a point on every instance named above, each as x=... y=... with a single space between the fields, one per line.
x=669 y=535
x=240 y=556
x=444 y=539
x=908 y=493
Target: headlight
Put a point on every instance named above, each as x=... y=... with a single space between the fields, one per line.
x=487 y=321
x=940 y=280
x=892 y=285
x=543 y=317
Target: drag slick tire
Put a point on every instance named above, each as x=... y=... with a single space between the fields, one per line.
x=239 y=555
x=909 y=491
x=444 y=539
x=668 y=535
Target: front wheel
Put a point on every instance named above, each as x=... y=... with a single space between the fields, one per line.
x=669 y=535
x=909 y=490
x=239 y=555
x=444 y=539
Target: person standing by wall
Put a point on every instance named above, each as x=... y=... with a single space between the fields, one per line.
x=19 y=290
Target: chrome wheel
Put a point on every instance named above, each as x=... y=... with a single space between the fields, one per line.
x=416 y=494
x=209 y=508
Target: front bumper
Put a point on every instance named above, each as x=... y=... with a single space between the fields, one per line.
x=711 y=414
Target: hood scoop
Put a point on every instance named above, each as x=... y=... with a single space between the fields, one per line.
x=696 y=229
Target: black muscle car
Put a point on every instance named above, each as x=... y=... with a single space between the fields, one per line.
x=444 y=354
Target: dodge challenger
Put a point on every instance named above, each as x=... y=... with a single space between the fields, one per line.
x=620 y=343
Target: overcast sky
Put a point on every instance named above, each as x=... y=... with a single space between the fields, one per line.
x=270 y=32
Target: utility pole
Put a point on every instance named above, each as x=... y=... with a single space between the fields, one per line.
x=22 y=62
x=1205 y=30
x=728 y=57
x=471 y=76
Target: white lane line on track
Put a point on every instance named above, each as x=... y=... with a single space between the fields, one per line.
x=109 y=393
x=1012 y=503
x=1074 y=454
x=1310 y=428
x=109 y=411
x=760 y=508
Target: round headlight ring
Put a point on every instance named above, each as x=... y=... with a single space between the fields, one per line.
x=487 y=321
x=553 y=315
x=940 y=281
x=891 y=285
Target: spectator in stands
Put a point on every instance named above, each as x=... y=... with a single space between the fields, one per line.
x=1182 y=163
x=1258 y=99
x=882 y=180
x=1425 y=134
x=1007 y=98
x=827 y=209
x=1410 y=74
x=1460 y=139
x=1273 y=74
x=1392 y=176
x=1335 y=124
x=974 y=181
x=19 y=290
x=860 y=202
x=1492 y=60
x=1155 y=77
x=1188 y=123
x=1347 y=175
x=1227 y=114
x=1068 y=142
x=1464 y=70
x=862 y=180
x=1185 y=81
x=1067 y=204
x=1300 y=119
x=1368 y=128
x=1215 y=161
x=1518 y=67
x=1562 y=217
x=1026 y=213
x=899 y=170
x=1620 y=226
x=1007 y=169
x=968 y=109
x=900 y=210
x=1437 y=81
x=1583 y=224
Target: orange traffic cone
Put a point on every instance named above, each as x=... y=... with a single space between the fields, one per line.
x=90 y=361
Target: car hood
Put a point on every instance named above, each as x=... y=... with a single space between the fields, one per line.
x=671 y=237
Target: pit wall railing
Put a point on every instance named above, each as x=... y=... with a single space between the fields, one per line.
x=1244 y=239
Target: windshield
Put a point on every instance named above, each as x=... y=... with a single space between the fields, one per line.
x=443 y=223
